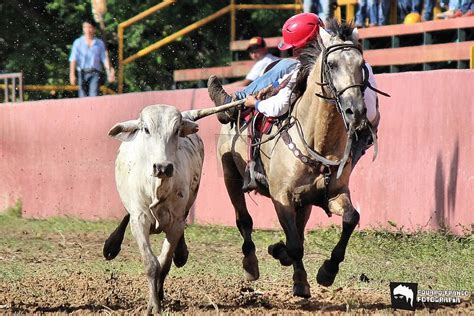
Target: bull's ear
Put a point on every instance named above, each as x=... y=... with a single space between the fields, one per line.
x=125 y=131
x=188 y=127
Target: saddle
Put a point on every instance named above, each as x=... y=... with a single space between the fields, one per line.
x=259 y=123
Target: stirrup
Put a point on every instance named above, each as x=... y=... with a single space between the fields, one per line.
x=250 y=183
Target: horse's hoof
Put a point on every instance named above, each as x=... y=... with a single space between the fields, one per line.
x=250 y=265
x=326 y=277
x=180 y=259
x=278 y=251
x=274 y=250
x=301 y=290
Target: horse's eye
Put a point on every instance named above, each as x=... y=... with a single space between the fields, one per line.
x=147 y=130
x=332 y=65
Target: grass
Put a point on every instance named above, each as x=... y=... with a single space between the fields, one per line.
x=433 y=260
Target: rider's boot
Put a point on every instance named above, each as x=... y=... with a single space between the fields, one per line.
x=220 y=97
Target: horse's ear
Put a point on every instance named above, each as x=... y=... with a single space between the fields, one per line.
x=325 y=36
x=355 y=35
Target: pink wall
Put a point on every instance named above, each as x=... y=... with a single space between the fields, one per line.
x=56 y=156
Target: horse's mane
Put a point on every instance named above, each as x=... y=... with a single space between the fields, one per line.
x=311 y=52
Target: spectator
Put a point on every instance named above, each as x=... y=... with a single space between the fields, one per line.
x=428 y=10
x=467 y=7
x=88 y=53
x=458 y=8
x=378 y=11
x=409 y=6
x=257 y=50
x=361 y=14
x=320 y=7
x=453 y=10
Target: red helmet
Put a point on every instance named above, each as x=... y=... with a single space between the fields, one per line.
x=299 y=30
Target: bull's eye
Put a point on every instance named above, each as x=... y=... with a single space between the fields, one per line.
x=147 y=131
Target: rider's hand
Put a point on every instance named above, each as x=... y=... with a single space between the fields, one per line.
x=265 y=93
x=250 y=101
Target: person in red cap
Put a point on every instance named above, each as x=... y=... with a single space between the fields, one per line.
x=297 y=31
x=257 y=49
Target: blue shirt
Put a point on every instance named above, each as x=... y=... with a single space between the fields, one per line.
x=88 y=57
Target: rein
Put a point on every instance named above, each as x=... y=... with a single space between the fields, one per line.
x=315 y=159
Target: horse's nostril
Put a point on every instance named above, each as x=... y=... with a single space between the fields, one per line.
x=169 y=170
x=349 y=112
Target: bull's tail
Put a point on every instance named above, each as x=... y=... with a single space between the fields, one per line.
x=113 y=243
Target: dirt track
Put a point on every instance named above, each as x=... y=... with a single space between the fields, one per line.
x=61 y=278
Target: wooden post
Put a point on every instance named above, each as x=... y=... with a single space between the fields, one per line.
x=120 y=59
x=232 y=20
x=472 y=58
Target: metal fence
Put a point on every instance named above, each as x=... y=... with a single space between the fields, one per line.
x=12 y=86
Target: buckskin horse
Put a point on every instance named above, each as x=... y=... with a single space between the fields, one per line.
x=310 y=161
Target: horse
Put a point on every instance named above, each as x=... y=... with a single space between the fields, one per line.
x=310 y=161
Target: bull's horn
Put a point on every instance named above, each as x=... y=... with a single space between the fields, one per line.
x=195 y=115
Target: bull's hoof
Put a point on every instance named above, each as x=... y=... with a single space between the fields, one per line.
x=153 y=308
x=327 y=273
x=250 y=265
x=278 y=251
x=301 y=290
x=180 y=258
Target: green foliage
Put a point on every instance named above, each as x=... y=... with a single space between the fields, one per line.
x=36 y=38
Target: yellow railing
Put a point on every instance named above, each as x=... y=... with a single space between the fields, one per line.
x=231 y=8
x=52 y=88
x=121 y=29
x=471 y=64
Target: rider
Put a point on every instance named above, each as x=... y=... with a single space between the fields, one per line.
x=297 y=32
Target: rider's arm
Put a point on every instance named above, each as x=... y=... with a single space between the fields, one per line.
x=276 y=105
x=279 y=103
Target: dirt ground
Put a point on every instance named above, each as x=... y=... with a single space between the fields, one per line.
x=59 y=277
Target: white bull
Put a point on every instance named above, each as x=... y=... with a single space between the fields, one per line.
x=157 y=173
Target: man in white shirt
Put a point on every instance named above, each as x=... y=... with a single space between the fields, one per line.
x=258 y=52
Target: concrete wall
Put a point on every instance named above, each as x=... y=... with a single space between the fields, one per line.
x=56 y=157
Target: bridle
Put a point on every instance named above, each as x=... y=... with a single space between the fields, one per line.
x=326 y=77
x=315 y=158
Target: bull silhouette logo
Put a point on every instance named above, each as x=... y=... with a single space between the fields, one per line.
x=403 y=295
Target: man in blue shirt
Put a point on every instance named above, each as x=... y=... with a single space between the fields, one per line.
x=88 y=53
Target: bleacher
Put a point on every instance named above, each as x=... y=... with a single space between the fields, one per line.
x=392 y=48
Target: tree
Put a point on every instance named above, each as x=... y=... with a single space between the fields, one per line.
x=36 y=38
